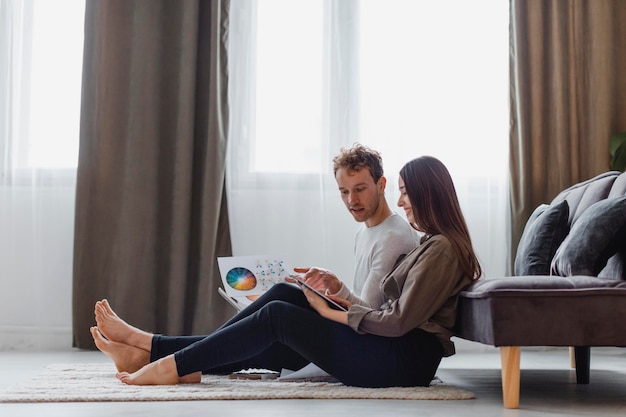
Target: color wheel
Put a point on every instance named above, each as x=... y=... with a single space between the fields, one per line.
x=241 y=279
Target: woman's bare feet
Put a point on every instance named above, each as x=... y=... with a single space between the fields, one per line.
x=161 y=372
x=117 y=330
x=194 y=378
x=126 y=358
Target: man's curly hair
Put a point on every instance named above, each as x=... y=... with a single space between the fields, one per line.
x=357 y=158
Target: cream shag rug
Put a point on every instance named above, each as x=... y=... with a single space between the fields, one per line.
x=97 y=382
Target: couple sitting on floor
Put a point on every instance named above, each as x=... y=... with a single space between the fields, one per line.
x=394 y=333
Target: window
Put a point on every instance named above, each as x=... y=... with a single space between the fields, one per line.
x=43 y=48
x=288 y=77
x=57 y=62
x=405 y=77
x=432 y=76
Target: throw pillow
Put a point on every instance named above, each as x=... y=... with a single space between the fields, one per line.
x=594 y=238
x=544 y=231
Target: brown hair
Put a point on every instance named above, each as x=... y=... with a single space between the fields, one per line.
x=436 y=208
x=357 y=158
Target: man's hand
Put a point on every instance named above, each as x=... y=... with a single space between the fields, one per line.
x=320 y=279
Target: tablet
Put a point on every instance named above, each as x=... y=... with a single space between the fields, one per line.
x=332 y=303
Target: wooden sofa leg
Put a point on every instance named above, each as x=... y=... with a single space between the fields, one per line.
x=572 y=358
x=510 y=356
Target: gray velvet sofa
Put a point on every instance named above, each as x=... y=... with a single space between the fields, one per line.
x=569 y=287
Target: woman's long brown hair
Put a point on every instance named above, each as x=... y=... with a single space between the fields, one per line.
x=436 y=208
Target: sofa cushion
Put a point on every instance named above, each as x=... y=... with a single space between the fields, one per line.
x=615 y=267
x=582 y=195
x=546 y=228
x=594 y=238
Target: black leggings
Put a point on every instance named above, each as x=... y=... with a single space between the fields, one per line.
x=280 y=330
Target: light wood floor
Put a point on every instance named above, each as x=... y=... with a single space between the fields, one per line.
x=548 y=388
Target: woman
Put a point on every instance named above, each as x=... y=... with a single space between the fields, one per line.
x=399 y=344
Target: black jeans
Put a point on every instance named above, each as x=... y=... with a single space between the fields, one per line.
x=280 y=330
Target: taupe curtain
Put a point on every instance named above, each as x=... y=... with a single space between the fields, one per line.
x=568 y=96
x=151 y=211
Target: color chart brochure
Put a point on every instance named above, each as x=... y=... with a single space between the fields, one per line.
x=244 y=276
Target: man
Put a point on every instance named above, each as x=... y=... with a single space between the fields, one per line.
x=383 y=237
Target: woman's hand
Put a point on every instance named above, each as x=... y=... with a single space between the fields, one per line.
x=318 y=303
x=341 y=301
x=321 y=306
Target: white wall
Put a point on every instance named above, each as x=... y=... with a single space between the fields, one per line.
x=36 y=241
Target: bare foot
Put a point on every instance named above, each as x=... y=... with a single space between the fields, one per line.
x=117 y=330
x=126 y=358
x=161 y=372
x=194 y=378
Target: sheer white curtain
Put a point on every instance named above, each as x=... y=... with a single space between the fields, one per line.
x=406 y=77
x=40 y=78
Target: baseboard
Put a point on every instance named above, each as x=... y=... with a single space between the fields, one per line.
x=26 y=338
x=462 y=345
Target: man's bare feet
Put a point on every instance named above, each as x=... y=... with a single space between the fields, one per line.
x=161 y=372
x=126 y=358
x=117 y=330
